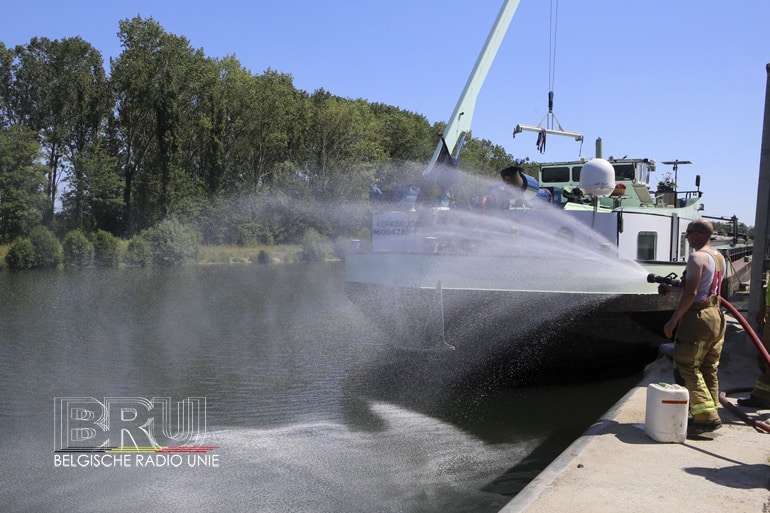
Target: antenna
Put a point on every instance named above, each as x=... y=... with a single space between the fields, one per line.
x=676 y=163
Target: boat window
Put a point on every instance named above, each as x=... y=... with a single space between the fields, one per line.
x=645 y=178
x=554 y=174
x=576 y=173
x=646 y=242
x=624 y=171
x=682 y=245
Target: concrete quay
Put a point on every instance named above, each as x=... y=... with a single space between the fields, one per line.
x=615 y=466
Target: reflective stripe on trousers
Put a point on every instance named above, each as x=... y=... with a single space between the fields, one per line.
x=697 y=348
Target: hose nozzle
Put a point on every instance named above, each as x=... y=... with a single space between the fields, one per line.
x=670 y=279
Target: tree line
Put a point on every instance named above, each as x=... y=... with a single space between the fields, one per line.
x=170 y=133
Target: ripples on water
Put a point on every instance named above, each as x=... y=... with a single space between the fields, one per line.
x=310 y=409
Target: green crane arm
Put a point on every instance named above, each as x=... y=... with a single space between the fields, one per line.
x=460 y=122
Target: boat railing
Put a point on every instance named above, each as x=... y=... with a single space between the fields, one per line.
x=737 y=252
x=676 y=198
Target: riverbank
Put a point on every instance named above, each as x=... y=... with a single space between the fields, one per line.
x=278 y=254
x=232 y=254
x=615 y=466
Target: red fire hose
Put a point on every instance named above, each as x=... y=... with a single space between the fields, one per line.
x=752 y=421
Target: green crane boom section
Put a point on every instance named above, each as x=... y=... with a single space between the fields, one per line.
x=460 y=122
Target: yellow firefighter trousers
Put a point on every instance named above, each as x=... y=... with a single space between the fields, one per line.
x=697 y=348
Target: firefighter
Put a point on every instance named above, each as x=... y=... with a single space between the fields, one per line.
x=700 y=330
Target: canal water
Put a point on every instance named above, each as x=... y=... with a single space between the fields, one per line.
x=300 y=403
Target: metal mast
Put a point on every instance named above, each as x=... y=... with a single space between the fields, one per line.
x=761 y=264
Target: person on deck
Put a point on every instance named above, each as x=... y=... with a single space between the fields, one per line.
x=508 y=191
x=700 y=329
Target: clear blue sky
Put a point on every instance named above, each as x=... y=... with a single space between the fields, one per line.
x=661 y=79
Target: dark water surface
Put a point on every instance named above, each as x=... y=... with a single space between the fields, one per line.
x=308 y=407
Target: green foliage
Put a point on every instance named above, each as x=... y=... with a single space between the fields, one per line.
x=95 y=198
x=21 y=183
x=48 y=250
x=78 y=252
x=171 y=132
x=106 y=249
x=139 y=251
x=3 y=251
x=261 y=220
x=21 y=255
x=60 y=91
x=173 y=243
x=316 y=247
x=405 y=136
x=723 y=228
x=41 y=250
x=484 y=158
x=254 y=233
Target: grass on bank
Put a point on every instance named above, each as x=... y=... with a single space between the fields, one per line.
x=224 y=254
x=249 y=254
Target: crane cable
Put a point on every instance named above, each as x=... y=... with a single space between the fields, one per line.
x=549 y=116
x=549 y=123
x=553 y=28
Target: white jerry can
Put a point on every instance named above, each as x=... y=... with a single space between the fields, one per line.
x=667 y=408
